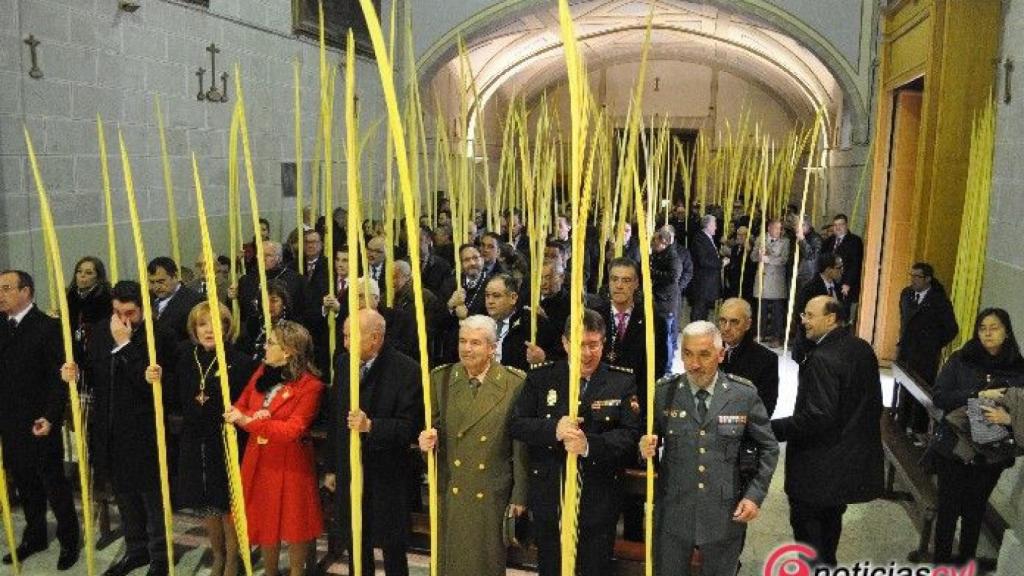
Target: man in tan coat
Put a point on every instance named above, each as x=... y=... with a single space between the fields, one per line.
x=481 y=470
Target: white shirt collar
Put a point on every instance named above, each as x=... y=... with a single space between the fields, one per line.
x=21 y=315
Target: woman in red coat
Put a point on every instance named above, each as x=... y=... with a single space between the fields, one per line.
x=278 y=472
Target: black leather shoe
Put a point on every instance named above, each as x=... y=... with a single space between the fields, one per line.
x=24 y=550
x=68 y=557
x=125 y=565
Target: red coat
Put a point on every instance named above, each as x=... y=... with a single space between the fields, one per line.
x=278 y=470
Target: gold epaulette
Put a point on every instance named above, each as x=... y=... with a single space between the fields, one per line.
x=515 y=371
x=540 y=365
x=622 y=369
x=667 y=379
x=441 y=367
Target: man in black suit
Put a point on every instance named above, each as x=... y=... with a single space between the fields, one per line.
x=513 y=232
x=666 y=268
x=927 y=325
x=743 y=356
x=554 y=298
x=604 y=439
x=464 y=297
x=376 y=258
x=315 y=264
x=122 y=428
x=514 y=345
x=434 y=268
x=826 y=283
x=172 y=301
x=33 y=398
x=850 y=248
x=834 y=456
x=248 y=290
x=389 y=419
x=623 y=314
x=706 y=287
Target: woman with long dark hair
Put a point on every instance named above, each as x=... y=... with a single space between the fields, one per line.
x=988 y=364
x=88 y=301
x=276 y=409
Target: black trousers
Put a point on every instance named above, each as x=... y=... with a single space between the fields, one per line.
x=594 y=548
x=142 y=520
x=964 y=490
x=817 y=526
x=392 y=538
x=37 y=473
x=773 y=318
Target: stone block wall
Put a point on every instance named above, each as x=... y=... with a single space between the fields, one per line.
x=97 y=59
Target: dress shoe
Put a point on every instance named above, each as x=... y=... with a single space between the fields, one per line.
x=125 y=565
x=68 y=557
x=24 y=550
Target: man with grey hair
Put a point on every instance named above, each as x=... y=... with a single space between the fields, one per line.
x=482 y=472
x=433 y=310
x=707 y=269
x=248 y=291
x=743 y=356
x=704 y=497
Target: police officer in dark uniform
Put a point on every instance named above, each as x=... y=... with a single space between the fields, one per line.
x=704 y=498
x=604 y=438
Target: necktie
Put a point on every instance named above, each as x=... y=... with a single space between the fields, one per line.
x=474 y=386
x=918 y=297
x=728 y=354
x=621 y=322
x=13 y=324
x=702 y=404
x=583 y=386
x=363 y=369
x=832 y=290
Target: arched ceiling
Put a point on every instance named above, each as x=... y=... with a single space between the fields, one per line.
x=523 y=56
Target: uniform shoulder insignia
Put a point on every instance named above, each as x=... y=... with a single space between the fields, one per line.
x=515 y=371
x=740 y=380
x=667 y=379
x=622 y=369
x=540 y=365
x=441 y=367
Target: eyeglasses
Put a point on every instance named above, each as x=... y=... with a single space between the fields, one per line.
x=917 y=275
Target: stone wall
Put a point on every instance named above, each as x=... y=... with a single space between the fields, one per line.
x=97 y=59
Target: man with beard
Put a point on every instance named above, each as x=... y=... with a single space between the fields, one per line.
x=464 y=297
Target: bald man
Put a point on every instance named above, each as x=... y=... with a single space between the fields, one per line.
x=743 y=356
x=389 y=418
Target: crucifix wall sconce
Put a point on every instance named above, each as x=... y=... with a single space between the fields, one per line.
x=213 y=94
x=34 y=72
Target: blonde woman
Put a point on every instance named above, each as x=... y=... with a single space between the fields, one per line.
x=276 y=409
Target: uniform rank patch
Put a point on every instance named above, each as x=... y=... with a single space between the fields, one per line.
x=737 y=419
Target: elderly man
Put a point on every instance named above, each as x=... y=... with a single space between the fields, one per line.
x=248 y=290
x=704 y=498
x=172 y=300
x=376 y=257
x=315 y=264
x=554 y=299
x=482 y=472
x=770 y=286
x=707 y=269
x=31 y=421
x=603 y=439
x=401 y=279
x=389 y=418
x=826 y=283
x=743 y=356
x=402 y=333
x=834 y=456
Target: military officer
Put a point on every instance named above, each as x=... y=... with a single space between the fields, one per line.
x=703 y=416
x=481 y=470
x=609 y=427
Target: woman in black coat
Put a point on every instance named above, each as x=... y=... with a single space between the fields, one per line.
x=984 y=367
x=202 y=468
x=88 y=301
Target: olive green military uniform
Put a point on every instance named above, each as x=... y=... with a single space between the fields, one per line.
x=481 y=470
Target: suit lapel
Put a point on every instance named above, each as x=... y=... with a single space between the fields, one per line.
x=492 y=390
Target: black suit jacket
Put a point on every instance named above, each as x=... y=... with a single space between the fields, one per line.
x=122 y=425
x=835 y=446
x=316 y=284
x=435 y=270
x=30 y=386
x=513 y=347
x=631 y=351
x=666 y=268
x=925 y=329
x=174 y=318
x=851 y=250
x=391 y=395
x=707 y=269
x=758 y=364
x=611 y=420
